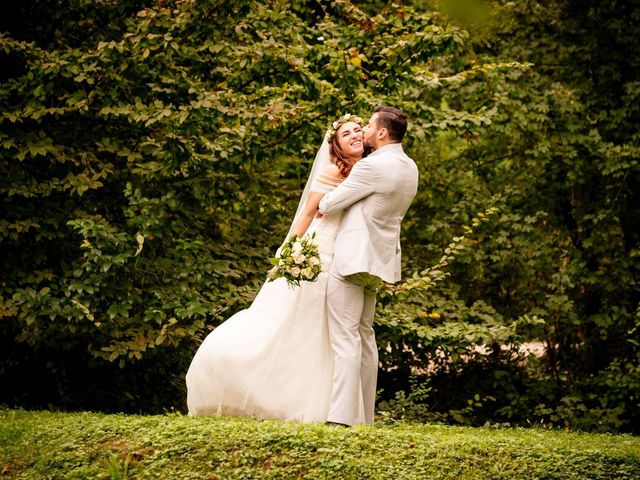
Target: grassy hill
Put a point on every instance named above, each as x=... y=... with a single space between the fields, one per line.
x=45 y=445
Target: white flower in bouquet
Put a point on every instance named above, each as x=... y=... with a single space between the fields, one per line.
x=295 y=271
x=272 y=274
x=298 y=259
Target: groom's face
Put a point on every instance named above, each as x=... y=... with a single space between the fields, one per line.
x=370 y=130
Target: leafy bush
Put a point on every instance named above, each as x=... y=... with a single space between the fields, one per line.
x=151 y=152
x=560 y=265
x=150 y=155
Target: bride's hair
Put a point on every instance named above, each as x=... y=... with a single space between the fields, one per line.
x=338 y=156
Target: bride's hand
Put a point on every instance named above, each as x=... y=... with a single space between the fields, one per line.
x=319 y=215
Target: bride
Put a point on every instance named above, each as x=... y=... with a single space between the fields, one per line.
x=274 y=360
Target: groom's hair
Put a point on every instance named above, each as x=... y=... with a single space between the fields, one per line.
x=394 y=120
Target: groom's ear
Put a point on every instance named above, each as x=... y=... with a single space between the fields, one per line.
x=382 y=133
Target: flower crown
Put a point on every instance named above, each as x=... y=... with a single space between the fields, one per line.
x=331 y=132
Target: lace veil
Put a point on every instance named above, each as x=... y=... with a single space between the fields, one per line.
x=321 y=161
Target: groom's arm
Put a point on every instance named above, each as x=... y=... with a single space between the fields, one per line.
x=359 y=184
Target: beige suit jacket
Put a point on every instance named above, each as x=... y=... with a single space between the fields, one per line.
x=375 y=197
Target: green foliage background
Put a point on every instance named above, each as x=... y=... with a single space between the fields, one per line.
x=152 y=153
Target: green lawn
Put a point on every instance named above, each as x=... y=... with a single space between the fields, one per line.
x=41 y=445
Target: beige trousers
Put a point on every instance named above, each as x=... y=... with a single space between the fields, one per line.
x=351 y=304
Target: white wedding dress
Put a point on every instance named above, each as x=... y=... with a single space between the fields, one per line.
x=272 y=360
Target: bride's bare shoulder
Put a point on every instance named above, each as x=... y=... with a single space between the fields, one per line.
x=331 y=171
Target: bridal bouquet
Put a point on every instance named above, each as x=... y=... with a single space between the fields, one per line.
x=299 y=260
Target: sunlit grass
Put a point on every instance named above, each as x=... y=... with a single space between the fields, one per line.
x=88 y=445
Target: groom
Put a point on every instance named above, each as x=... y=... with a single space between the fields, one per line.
x=375 y=197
